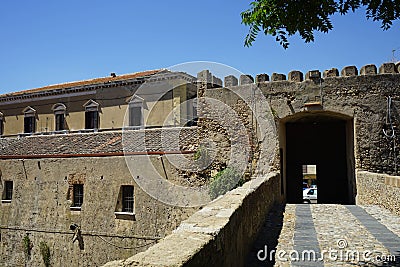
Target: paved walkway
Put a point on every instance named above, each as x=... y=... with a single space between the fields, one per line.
x=328 y=235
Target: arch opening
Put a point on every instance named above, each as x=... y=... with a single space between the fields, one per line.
x=324 y=140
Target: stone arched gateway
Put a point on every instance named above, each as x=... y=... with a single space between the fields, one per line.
x=324 y=139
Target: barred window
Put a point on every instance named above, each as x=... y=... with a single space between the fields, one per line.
x=127 y=199
x=77 y=195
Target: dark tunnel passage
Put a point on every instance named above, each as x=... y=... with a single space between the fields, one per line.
x=327 y=142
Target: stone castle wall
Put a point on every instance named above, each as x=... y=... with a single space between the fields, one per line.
x=362 y=98
x=40 y=208
x=43 y=169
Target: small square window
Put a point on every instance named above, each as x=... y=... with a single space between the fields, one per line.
x=77 y=195
x=8 y=190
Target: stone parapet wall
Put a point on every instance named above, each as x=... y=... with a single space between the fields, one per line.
x=220 y=234
x=378 y=189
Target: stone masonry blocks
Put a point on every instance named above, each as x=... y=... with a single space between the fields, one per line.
x=333 y=72
x=216 y=81
x=230 y=81
x=278 y=77
x=368 y=70
x=204 y=76
x=295 y=76
x=246 y=79
x=398 y=66
x=313 y=74
x=262 y=78
x=387 y=68
x=349 y=71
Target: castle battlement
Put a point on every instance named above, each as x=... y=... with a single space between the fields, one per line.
x=206 y=76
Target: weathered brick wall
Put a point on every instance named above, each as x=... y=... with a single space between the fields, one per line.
x=220 y=234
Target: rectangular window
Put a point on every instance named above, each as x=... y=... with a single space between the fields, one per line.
x=29 y=124
x=135 y=116
x=91 y=119
x=77 y=195
x=60 y=122
x=127 y=198
x=8 y=190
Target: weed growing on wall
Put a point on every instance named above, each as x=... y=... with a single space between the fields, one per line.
x=27 y=244
x=45 y=251
x=224 y=181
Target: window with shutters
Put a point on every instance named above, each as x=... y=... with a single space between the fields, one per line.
x=136 y=112
x=91 y=115
x=29 y=120
x=59 y=110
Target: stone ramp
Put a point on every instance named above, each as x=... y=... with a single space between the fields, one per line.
x=328 y=235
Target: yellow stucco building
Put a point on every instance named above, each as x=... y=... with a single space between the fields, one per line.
x=140 y=100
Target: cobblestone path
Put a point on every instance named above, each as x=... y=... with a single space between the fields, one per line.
x=328 y=235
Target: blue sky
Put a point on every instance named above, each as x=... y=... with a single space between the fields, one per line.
x=47 y=42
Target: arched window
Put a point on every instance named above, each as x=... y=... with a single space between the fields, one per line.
x=29 y=120
x=136 y=111
x=91 y=114
x=59 y=110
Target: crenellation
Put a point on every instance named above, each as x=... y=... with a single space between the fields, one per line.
x=230 y=81
x=216 y=81
x=386 y=68
x=295 y=76
x=263 y=77
x=246 y=79
x=313 y=75
x=204 y=76
x=369 y=69
x=333 y=72
x=278 y=77
x=349 y=71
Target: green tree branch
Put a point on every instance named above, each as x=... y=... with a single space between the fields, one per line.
x=284 y=18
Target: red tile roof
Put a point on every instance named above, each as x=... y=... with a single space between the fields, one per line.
x=86 y=82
